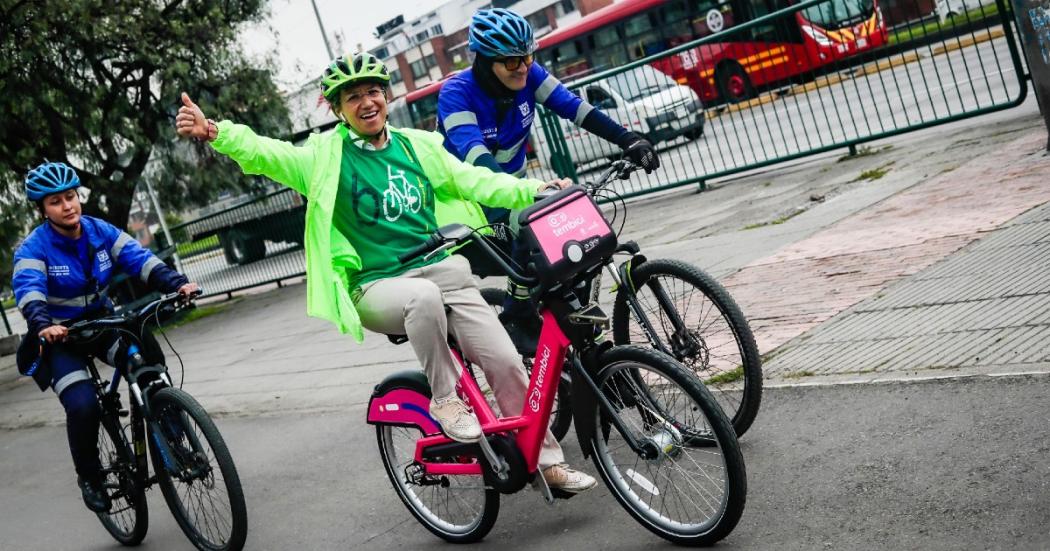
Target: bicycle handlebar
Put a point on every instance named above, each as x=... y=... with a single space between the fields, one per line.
x=618 y=170
x=452 y=235
x=123 y=319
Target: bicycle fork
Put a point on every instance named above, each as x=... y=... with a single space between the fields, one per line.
x=622 y=277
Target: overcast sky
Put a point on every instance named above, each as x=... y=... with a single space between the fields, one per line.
x=293 y=32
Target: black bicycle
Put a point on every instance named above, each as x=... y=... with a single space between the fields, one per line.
x=675 y=308
x=190 y=460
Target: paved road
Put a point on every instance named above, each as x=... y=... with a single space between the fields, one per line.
x=939 y=465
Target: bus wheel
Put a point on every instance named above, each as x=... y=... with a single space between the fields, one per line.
x=733 y=84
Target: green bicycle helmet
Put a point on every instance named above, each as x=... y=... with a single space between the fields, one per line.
x=351 y=69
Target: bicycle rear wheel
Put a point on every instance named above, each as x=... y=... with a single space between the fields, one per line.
x=198 y=479
x=561 y=414
x=716 y=342
x=128 y=518
x=689 y=495
x=458 y=509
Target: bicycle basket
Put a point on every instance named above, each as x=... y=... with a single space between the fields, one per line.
x=566 y=234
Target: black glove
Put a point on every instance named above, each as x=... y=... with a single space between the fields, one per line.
x=640 y=152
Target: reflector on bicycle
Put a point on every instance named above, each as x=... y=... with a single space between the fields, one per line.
x=566 y=233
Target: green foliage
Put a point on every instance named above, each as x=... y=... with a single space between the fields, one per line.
x=96 y=84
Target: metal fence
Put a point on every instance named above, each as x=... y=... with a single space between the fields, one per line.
x=252 y=243
x=927 y=72
x=922 y=73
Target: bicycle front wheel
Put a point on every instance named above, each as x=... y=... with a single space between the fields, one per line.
x=128 y=518
x=697 y=322
x=198 y=478
x=686 y=494
x=455 y=508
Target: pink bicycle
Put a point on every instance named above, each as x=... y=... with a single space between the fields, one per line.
x=631 y=407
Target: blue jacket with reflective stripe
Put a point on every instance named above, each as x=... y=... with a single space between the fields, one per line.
x=467 y=117
x=57 y=278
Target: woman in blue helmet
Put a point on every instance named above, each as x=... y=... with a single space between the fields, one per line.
x=486 y=114
x=61 y=273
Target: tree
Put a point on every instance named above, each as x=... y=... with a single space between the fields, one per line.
x=95 y=83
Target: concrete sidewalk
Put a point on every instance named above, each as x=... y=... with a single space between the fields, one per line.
x=797 y=245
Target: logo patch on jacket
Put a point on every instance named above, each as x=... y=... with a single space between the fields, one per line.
x=104 y=263
x=57 y=270
x=524 y=108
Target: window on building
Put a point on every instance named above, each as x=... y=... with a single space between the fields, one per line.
x=429 y=61
x=419 y=68
x=436 y=30
x=564 y=7
x=395 y=76
x=538 y=20
x=381 y=53
x=420 y=37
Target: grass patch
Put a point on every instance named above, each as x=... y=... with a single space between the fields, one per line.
x=7 y=303
x=726 y=377
x=197 y=313
x=798 y=374
x=204 y=245
x=864 y=151
x=873 y=174
x=776 y=222
x=934 y=26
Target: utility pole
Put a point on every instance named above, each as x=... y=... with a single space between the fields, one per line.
x=163 y=225
x=324 y=35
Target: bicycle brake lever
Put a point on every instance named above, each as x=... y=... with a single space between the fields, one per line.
x=444 y=247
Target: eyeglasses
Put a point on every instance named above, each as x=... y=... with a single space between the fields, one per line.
x=514 y=63
x=357 y=97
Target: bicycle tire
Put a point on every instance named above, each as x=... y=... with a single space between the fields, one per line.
x=720 y=482
x=173 y=410
x=561 y=414
x=727 y=376
x=397 y=469
x=127 y=520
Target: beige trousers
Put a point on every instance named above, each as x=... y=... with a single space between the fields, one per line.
x=413 y=304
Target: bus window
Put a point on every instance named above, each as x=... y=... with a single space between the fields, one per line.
x=837 y=14
x=568 y=59
x=642 y=36
x=766 y=32
x=606 y=49
x=677 y=28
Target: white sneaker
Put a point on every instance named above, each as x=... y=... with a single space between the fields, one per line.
x=456 y=419
x=561 y=477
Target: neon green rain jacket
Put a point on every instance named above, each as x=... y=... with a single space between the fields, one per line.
x=313 y=170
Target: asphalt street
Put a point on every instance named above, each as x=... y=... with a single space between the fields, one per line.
x=949 y=464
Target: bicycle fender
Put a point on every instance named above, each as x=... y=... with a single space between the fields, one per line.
x=627 y=269
x=403 y=399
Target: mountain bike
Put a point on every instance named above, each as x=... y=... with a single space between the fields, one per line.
x=631 y=405
x=680 y=310
x=191 y=462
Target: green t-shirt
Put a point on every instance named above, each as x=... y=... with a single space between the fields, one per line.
x=384 y=207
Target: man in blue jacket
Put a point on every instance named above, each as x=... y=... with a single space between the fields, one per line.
x=486 y=114
x=61 y=275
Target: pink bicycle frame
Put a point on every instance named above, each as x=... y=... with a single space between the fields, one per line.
x=407 y=407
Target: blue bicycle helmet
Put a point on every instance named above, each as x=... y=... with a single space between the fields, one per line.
x=50 y=178
x=500 y=33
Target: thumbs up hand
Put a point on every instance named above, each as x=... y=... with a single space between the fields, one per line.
x=191 y=123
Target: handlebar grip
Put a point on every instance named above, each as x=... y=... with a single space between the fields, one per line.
x=430 y=244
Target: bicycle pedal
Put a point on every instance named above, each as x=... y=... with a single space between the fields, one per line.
x=540 y=483
x=561 y=494
x=123 y=412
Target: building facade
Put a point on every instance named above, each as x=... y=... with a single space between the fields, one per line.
x=428 y=48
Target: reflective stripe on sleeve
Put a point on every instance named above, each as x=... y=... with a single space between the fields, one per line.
x=148 y=267
x=118 y=245
x=506 y=155
x=474 y=153
x=30 y=264
x=460 y=118
x=546 y=88
x=30 y=297
x=582 y=111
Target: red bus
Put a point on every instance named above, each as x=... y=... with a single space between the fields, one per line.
x=729 y=71
x=723 y=71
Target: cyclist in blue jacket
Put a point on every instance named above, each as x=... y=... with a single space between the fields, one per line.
x=62 y=271
x=486 y=114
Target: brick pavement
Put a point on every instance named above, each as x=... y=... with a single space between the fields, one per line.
x=809 y=282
